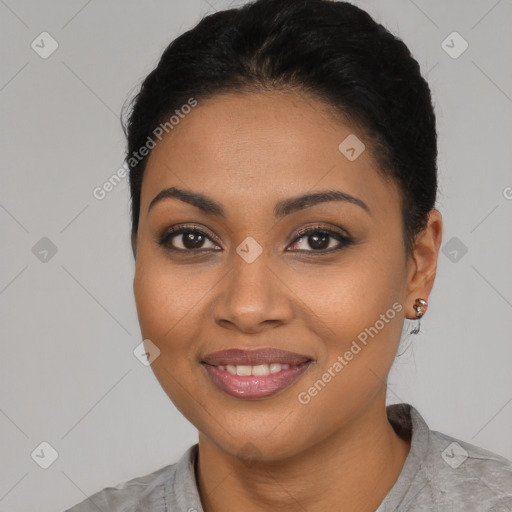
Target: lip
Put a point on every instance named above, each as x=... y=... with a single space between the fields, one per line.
x=254 y=386
x=253 y=357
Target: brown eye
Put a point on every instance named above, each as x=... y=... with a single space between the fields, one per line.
x=187 y=240
x=320 y=240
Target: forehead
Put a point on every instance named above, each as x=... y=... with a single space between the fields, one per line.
x=249 y=149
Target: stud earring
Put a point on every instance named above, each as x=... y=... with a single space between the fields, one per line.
x=420 y=306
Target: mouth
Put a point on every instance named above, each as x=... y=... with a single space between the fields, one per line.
x=253 y=374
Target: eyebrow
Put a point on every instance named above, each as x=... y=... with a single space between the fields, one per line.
x=281 y=209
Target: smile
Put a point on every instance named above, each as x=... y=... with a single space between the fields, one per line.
x=253 y=382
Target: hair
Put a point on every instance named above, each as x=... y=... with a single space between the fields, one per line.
x=329 y=50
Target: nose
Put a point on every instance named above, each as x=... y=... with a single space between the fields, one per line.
x=252 y=297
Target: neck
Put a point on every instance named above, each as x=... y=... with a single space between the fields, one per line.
x=353 y=469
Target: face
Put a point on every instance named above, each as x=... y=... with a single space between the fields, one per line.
x=241 y=272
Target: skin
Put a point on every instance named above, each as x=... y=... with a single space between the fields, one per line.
x=247 y=152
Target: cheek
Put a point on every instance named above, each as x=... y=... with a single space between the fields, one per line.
x=163 y=296
x=346 y=298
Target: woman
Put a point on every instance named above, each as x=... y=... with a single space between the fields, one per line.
x=283 y=179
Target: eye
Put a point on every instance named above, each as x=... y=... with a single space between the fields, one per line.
x=186 y=239
x=321 y=239
x=190 y=239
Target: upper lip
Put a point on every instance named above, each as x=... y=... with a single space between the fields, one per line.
x=253 y=357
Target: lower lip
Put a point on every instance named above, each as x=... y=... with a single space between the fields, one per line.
x=255 y=386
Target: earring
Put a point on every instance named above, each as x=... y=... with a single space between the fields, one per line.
x=420 y=306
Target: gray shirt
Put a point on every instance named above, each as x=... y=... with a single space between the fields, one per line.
x=440 y=473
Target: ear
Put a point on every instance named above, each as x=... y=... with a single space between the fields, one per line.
x=422 y=265
x=134 y=245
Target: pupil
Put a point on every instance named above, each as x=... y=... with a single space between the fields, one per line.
x=320 y=241
x=193 y=240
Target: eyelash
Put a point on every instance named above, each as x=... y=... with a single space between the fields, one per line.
x=344 y=240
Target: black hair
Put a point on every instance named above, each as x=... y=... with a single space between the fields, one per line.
x=330 y=50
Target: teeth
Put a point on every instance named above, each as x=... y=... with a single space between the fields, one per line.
x=243 y=370
x=275 y=367
x=259 y=369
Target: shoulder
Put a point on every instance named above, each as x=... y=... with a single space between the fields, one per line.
x=444 y=473
x=467 y=475
x=145 y=492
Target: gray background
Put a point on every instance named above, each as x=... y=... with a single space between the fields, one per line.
x=68 y=324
